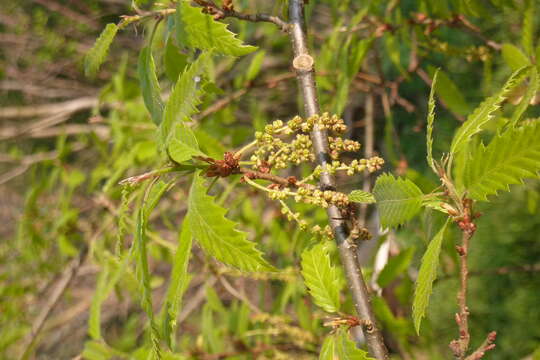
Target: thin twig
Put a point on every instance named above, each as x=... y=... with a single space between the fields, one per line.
x=240 y=296
x=460 y=346
x=224 y=12
x=303 y=64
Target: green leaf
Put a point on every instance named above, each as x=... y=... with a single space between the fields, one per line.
x=395 y=267
x=448 y=91
x=484 y=112
x=398 y=199
x=94 y=318
x=157 y=191
x=201 y=31
x=184 y=98
x=255 y=66
x=329 y=349
x=217 y=235
x=532 y=89
x=321 y=278
x=97 y=54
x=508 y=159
x=178 y=284
x=174 y=61
x=209 y=144
x=111 y=271
x=430 y=120
x=360 y=196
x=149 y=84
x=183 y=145
x=141 y=269
x=426 y=276
x=514 y=57
x=346 y=348
x=97 y=350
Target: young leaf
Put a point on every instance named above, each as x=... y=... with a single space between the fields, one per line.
x=183 y=145
x=484 y=112
x=508 y=159
x=360 y=196
x=184 y=98
x=174 y=61
x=398 y=199
x=201 y=31
x=209 y=144
x=143 y=278
x=329 y=348
x=217 y=235
x=514 y=57
x=255 y=66
x=534 y=83
x=110 y=273
x=430 y=120
x=448 y=91
x=426 y=277
x=346 y=348
x=178 y=285
x=321 y=278
x=97 y=54
x=155 y=194
x=94 y=318
x=149 y=84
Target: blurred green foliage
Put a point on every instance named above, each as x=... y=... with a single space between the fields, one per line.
x=60 y=170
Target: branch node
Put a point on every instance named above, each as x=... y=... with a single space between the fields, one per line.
x=303 y=62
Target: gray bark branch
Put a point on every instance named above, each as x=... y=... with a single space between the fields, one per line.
x=306 y=80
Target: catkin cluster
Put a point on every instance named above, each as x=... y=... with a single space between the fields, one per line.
x=284 y=144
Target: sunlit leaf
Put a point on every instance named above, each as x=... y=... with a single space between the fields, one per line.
x=398 y=199
x=360 y=196
x=217 y=235
x=430 y=120
x=508 y=159
x=97 y=54
x=426 y=276
x=201 y=31
x=184 y=98
x=321 y=278
x=149 y=84
x=484 y=112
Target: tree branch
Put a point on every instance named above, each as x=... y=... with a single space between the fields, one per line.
x=303 y=65
x=460 y=346
x=227 y=10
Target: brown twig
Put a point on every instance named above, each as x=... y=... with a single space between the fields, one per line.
x=487 y=345
x=303 y=65
x=460 y=346
x=227 y=10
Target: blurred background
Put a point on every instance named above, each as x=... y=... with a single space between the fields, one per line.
x=66 y=140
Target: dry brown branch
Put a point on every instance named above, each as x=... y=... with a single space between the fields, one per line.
x=70 y=106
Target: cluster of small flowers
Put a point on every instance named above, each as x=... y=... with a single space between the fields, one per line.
x=338 y=145
x=324 y=232
x=294 y=216
x=279 y=153
x=312 y=195
x=356 y=166
x=325 y=121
